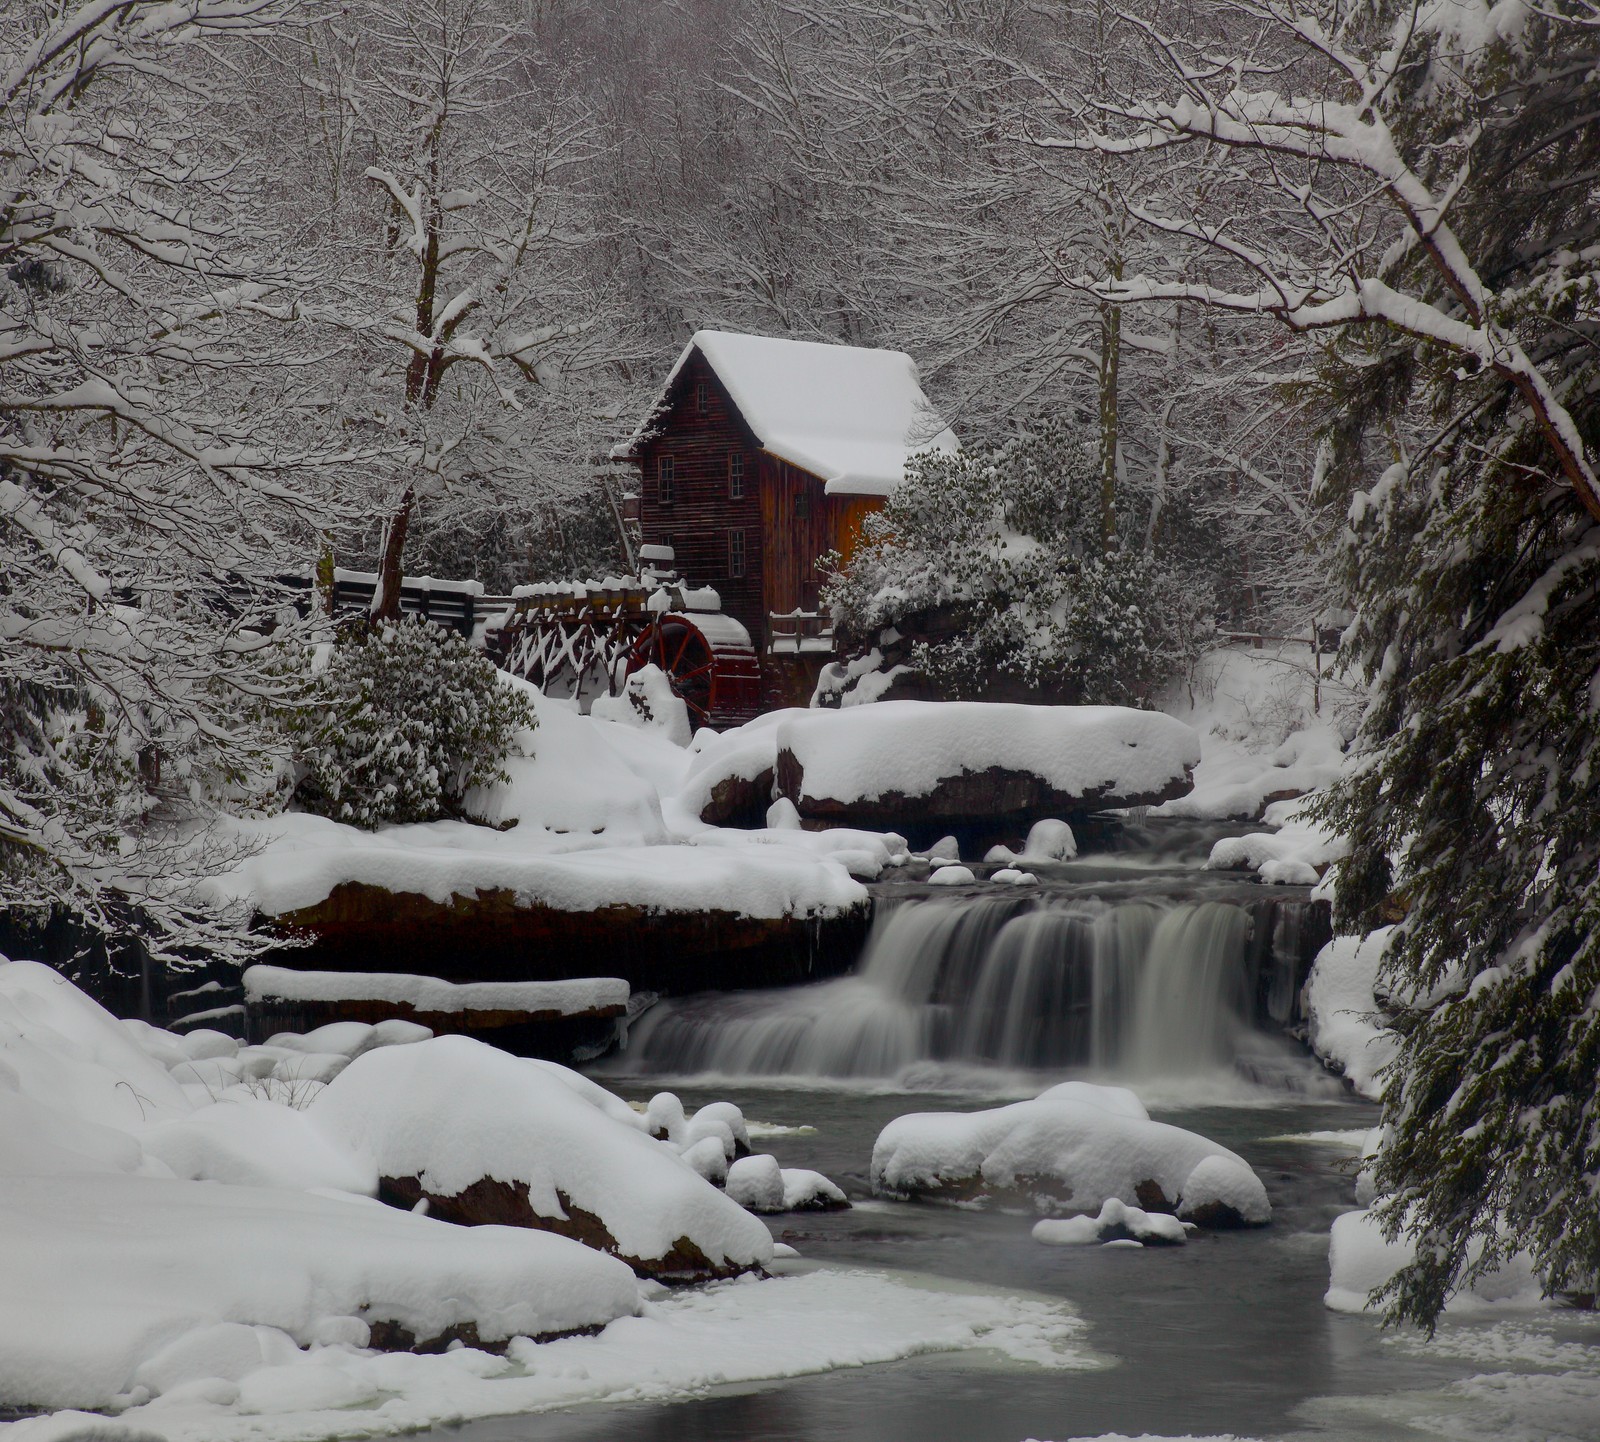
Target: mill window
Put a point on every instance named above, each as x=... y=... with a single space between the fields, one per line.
x=802 y=505
x=666 y=481
x=736 y=553
x=736 y=475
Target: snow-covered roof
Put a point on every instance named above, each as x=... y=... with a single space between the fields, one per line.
x=845 y=413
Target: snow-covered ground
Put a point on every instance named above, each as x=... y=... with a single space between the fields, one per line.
x=194 y=1244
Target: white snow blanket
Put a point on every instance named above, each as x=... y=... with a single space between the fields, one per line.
x=684 y=1343
x=453 y=1111
x=1343 y=1016
x=1266 y=732
x=909 y=747
x=101 y=1276
x=303 y=858
x=426 y=993
x=1070 y=1151
x=586 y=830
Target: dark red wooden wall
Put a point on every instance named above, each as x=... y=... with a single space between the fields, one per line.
x=787 y=520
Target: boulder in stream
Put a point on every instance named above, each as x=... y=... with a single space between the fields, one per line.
x=913 y=766
x=1068 y=1152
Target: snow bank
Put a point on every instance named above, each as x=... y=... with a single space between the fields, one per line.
x=101 y=1278
x=647 y=702
x=485 y=1136
x=1263 y=736
x=1296 y=854
x=1359 y=1260
x=907 y=748
x=428 y=994
x=567 y=787
x=1341 y=1011
x=63 y=1051
x=686 y=1342
x=250 y=1141
x=1068 y=1152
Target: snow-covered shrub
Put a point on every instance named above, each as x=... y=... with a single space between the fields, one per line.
x=1000 y=569
x=407 y=718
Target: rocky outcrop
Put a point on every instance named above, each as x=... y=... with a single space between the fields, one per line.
x=994 y=802
x=496 y=936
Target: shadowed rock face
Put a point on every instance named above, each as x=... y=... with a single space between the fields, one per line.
x=993 y=802
x=495 y=936
x=491 y=1202
x=738 y=801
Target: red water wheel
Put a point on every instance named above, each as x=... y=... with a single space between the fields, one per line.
x=683 y=653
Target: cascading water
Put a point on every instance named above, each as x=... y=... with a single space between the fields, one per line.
x=1140 y=988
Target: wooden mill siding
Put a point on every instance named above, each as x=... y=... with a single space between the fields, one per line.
x=697 y=521
x=787 y=519
x=800 y=524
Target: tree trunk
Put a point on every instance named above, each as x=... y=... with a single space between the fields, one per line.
x=386 y=595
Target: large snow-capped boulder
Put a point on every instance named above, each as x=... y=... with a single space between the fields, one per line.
x=926 y=764
x=488 y=1138
x=107 y=1275
x=1069 y=1151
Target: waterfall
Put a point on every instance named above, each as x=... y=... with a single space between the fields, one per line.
x=1140 y=988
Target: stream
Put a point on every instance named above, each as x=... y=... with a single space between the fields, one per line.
x=1136 y=968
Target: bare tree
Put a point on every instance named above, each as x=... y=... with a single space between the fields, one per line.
x=158 y=467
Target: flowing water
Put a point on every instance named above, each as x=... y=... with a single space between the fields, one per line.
x=1138 y=988
x=1135 y=969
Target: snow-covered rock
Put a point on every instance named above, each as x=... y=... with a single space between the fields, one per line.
x=1360 y=1260
x=730 y=780
x=960 y=762
x=102 y=1279
x=486 y=1137
x=759 y=1184
x=952 y=876
x=1010 y=876
x=647 y=702
x=1115 y=1223
x=1068 y=1152
x=1296 y=854
x=1048 y=840
x=1342 y=1015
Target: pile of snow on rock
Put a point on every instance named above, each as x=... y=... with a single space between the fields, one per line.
x=1070 y=1150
